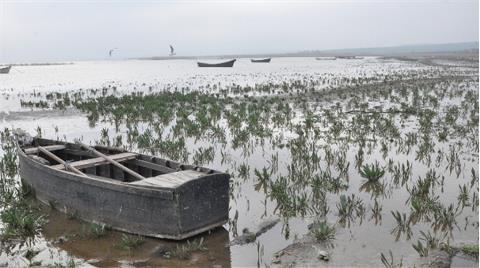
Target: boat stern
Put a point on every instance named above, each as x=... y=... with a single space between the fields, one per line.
x=203 y=203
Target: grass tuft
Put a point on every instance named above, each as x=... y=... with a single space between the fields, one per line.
x=324 y=232
x=130 y=242
x=372 y=172
x=184 y=251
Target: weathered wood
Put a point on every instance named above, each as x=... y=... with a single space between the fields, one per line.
x=118 y=174
x=112 y=161
x=104 y=170
x=153 y=166
x=81 y=153
x=194 y=202
x=59 y=160
x=98 y=161
x=104 y=178
x=91 y=170
x=170 y=180
x=48 y=148
x=154 y=182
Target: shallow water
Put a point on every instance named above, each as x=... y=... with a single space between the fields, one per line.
x=358 y=243
x=147 y=75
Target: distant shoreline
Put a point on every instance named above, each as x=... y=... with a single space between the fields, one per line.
x=457 y=51
x=394 y=51
x=403 y=56
x=37 y=64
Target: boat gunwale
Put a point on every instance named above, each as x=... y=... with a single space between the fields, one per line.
x=111 y=184
x=34 y=173
x=229 y=63
x=264 y=60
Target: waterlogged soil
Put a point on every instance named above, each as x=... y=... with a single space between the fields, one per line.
x=296 y=136
x=66 y=232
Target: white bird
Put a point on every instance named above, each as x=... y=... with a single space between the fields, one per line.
x=172 y=51
x=111 y=51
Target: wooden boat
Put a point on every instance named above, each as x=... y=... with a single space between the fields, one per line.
x=349 y=57
x=222 y=64
x=261 y=60
x=126 y=191
x=5 y=70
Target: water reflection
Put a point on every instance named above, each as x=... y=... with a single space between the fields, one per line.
x=66 y=234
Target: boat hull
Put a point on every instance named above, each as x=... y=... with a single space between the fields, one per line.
x=222 y=64
x=326 y=58
x=261 y=61
x=178 y=213
x=5 y=70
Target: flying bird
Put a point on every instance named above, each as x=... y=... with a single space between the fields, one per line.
x=172 y=51
x=111 y=51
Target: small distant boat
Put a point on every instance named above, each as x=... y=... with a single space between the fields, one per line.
x=345 y=57
x=126 y=191
x=5 y=70
x=222 y=64
x=349 y=57
x=326 y=58
x=262 y=60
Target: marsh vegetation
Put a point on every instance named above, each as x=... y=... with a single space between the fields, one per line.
x=393 y=154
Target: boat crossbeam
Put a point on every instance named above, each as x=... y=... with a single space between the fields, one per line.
x=112 y=161
x=59 y=160
x=86 y=163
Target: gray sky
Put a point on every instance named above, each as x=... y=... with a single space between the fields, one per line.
x=74 y=30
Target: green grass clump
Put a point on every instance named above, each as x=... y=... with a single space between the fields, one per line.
x=94 y=230
x=324 y=232
x=129 y=242
x=390 y=262
x=471 y=250
x=185 y=251
x=20 y=220
x=421 y=249
x=372 y=172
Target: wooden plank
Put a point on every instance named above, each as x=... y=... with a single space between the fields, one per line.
x=112 y=161
x=104 y=178
x=186 y=175
x=104 y=170
x=157 y=167
x=98 y=161
x=49 y=148
x=118 y=174
x=78 y=153
x=59 y=160
x=91 y=170
x=154 y=183
x=170 y=180
x=84 y=153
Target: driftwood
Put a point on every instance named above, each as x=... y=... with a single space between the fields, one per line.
x=249 y=236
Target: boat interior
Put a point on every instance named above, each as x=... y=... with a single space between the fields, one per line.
x=112 y=164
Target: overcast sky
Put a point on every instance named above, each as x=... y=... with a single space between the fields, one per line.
x=74 y=30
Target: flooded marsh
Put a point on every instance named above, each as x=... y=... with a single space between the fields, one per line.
x=371 y=162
